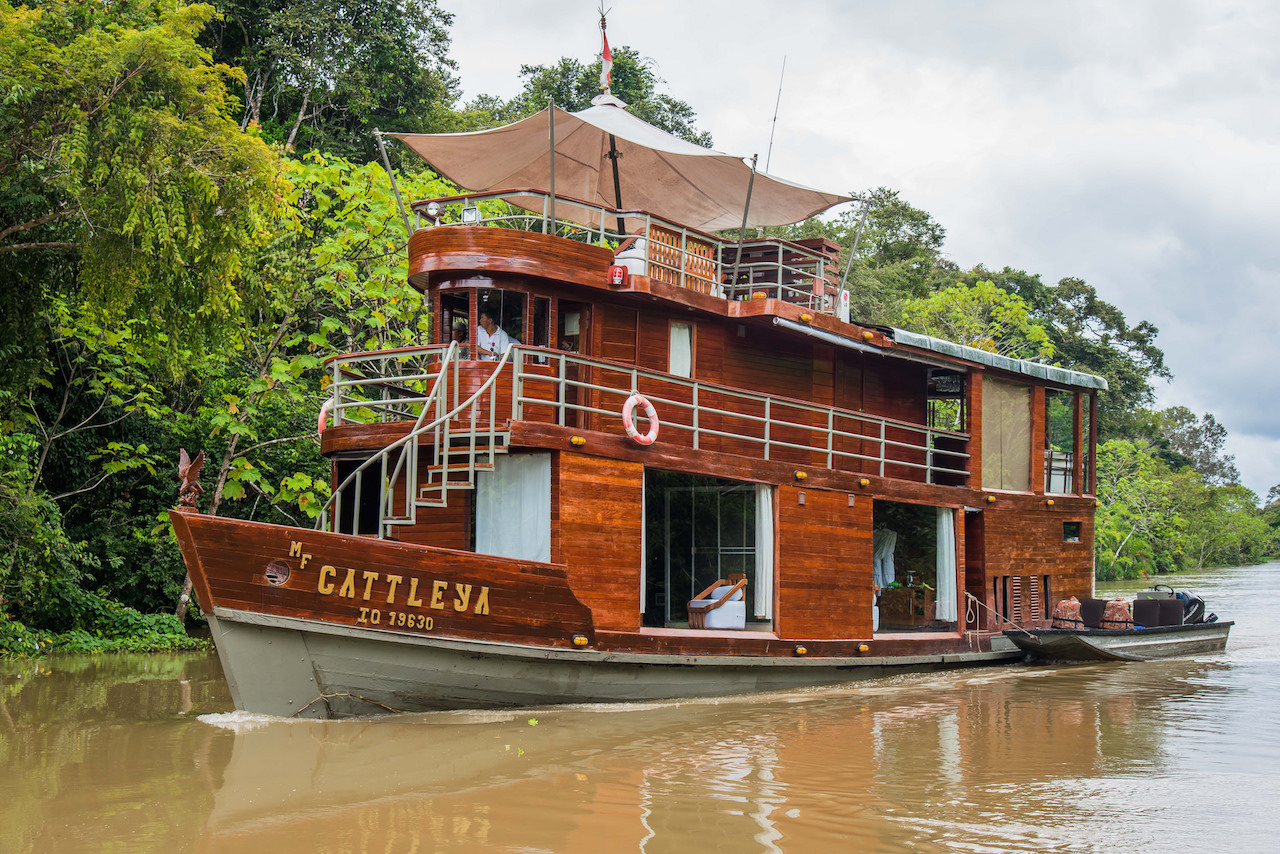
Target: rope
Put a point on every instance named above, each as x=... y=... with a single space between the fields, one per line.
x=971 y=616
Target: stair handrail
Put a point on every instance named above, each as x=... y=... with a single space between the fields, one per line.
x=437 y=393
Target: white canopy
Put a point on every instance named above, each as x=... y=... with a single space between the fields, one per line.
x=658 y=172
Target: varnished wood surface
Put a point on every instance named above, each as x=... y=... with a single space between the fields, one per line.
x=527 y=602
x=504 y=250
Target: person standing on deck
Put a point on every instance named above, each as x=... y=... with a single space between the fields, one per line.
x=491 y=340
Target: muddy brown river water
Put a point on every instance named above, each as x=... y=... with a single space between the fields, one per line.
x=144 y=754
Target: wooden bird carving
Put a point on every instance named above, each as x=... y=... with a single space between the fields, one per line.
x=189 y=471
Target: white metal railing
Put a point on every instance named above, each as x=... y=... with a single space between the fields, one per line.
x=455 y=462
x=662 y=249
x=572 y=390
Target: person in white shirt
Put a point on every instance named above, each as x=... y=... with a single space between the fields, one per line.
x=491 y=341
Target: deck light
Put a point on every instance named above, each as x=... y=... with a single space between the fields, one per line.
x=862 y=647
x=806 y=317
x=800 y=650
x=991 y=499
x=580 y=640
x=1048 y=502
x=868 y=335
x=578 y=441
x=864 y=482
x=801 y=475
x=470 y=215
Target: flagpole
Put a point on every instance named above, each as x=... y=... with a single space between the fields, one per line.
x=742 y=232
x=551 y=125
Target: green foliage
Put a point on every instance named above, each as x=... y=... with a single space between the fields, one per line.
x=116 y=143
x=982 y=316
x=1200 y=443
x=319 y=75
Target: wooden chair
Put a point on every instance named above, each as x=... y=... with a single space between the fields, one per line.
x=723 y=605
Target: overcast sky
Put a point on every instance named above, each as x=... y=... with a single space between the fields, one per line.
x=1135 y=145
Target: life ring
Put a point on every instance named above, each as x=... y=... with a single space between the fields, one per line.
x=629 y=422
x=323 y=421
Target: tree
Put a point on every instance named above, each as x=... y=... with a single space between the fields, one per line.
x=118 y=150
x=572 y=85
x=1201 y=443
x=321 y=74
x=981 y=316
x=1137 y=527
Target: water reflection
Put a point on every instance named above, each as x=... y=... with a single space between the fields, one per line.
x=1152 y=756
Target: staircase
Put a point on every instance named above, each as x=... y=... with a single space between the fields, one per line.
x=460 y=444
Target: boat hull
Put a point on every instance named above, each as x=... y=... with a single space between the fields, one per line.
x=1140 y=644
x=295 y=667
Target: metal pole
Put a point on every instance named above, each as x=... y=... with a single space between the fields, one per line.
x=377 y=134
x=617 y=184
x=742 y=233
x=551 y=124
x=857 y=238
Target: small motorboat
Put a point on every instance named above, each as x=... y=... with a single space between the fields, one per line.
x=1160 y=623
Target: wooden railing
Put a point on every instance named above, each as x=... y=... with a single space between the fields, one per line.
x=570 y=390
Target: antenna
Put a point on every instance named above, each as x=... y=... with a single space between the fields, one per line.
x=769 y=154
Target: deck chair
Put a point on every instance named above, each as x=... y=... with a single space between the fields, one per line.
x=1170 y=612
x=723 y=605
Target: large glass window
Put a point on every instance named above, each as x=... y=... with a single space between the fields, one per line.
x=701 y=529
x=1059 y=440
x=1006 y=435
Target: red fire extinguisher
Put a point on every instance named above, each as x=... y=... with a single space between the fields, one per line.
x=618 y=276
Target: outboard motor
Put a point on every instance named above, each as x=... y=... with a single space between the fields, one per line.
x=1192 y=608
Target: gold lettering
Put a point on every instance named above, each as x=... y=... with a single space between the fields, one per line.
x=323 y=586
x=392 y=581
x=464 y=596
x=295 y=548
x=437 y=592
x=413 y=599
x=364 y=616
x=305 y=558
x=482 y=601
x=369 y=578
x=348 y=590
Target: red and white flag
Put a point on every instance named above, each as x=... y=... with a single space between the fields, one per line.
x=606 y=60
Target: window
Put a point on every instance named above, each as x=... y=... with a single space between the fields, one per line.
x=1006 y=435
x=680 y=356
x=1071 y=532
x=1059 y=440
x=946 y=400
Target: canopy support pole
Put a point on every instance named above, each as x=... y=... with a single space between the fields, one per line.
x=742 y=232
x=857 y=238
x=551 y=125
x=617 y=184
x=377 y=135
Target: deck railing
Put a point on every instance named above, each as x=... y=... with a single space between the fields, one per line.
x=651 y=246
x=571 y=390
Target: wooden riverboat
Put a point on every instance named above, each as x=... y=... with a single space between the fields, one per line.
x=689 y=474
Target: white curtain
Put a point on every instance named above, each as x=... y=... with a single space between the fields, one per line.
x=945 y=607
x=681 y=359
x=764 y=551
x=513 y=508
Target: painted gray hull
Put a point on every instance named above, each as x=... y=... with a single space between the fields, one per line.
x=1127 y=645
x=294 y=667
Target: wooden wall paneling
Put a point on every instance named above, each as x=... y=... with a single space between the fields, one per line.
x=1023 y=538
x=600 y=519
x=974 y=408
x=1037 y=439
x=823 y=569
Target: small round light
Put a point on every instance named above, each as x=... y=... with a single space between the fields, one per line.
x=580 y=640
x=863 y=482
x=867 y=336
x=800 y=650
x=991 y=499
x=1048 y=502
x=862 y=647
x=801 y=475
x=578 y=441
x=806 y=317
x=433 y=209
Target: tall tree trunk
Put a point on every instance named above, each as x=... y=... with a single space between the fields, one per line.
x=306 y=99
